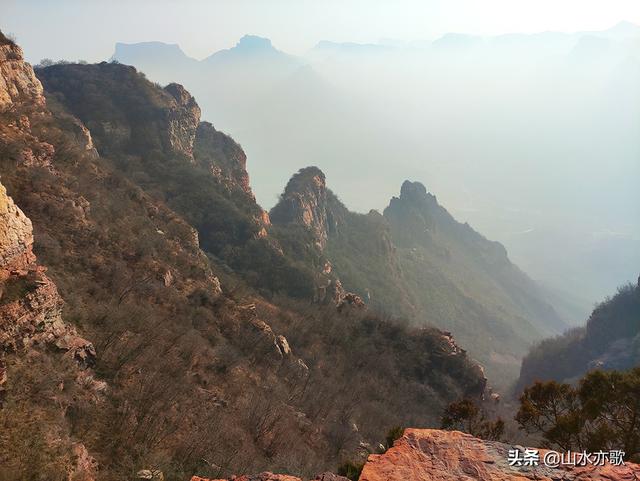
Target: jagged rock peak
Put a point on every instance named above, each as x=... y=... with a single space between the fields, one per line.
x=18 y=82
x=183 y=120
x=304 y=202
x=413 y=191
x=182 y=96
x=306 y=179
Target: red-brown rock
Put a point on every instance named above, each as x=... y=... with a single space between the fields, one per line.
x=266 y=476
x=433 y=455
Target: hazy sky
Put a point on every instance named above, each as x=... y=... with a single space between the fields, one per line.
x=87 y=29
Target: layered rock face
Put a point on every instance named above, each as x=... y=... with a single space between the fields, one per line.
x=182 y=120
x=267 y=476
x=18 y=83
x=16 y=238
x=223 y=157
x=433 y=455
x=304 y=202
x=30 y=306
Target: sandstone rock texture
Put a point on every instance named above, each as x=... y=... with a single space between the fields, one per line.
x=224 y=158
x=304 y=202
x=30 y=306
x=182 y=120
x=434 y=455
x=267 y=476
x=21 y=93
x=18 y=83
x=16 y=237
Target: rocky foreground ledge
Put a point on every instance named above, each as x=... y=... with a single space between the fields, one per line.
x=434 y=455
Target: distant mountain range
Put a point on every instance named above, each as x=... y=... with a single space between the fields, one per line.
x=539 y=112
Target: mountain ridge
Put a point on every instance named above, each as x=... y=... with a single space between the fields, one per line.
x=416 y=261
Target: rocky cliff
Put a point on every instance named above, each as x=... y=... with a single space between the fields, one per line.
x=163 y=120
x=31 y=325
x=16 y=238
x=30 y=306
x=224 y=158
x=305 y=202
x=18 y=83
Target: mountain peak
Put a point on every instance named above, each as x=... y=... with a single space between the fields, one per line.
x=412 y=190
x=307 y=178
x=304 y=202
x=254 y=42
x=134 y=52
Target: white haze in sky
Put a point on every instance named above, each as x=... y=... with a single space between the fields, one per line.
x=87 y=29
x=533 y=139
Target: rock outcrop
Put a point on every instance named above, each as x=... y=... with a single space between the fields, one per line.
x=18 y=83
x=433 y=455
x=30 y=306
x=223 y=157
x=304 y=202
x=21 y=96
x=267 y=476
x=16 y=238
x=148 y=119
x=182 y=120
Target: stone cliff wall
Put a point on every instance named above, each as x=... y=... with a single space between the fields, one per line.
x=18 y=83
x=304 y=202
x=16 y=238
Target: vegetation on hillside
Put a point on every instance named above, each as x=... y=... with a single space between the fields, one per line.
x=125 y=113
x=601 y=413
x=196 y=381
x=610 y=340
x=467 y=416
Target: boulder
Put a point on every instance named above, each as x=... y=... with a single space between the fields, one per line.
x=435 y=455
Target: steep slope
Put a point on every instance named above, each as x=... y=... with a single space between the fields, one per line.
x=417 y=261
x=449 y=265
x=35 y=435
x=149 y=133
x=610 y=340
x=178 y=356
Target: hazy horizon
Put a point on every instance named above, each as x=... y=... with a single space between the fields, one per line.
x=202 y=27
